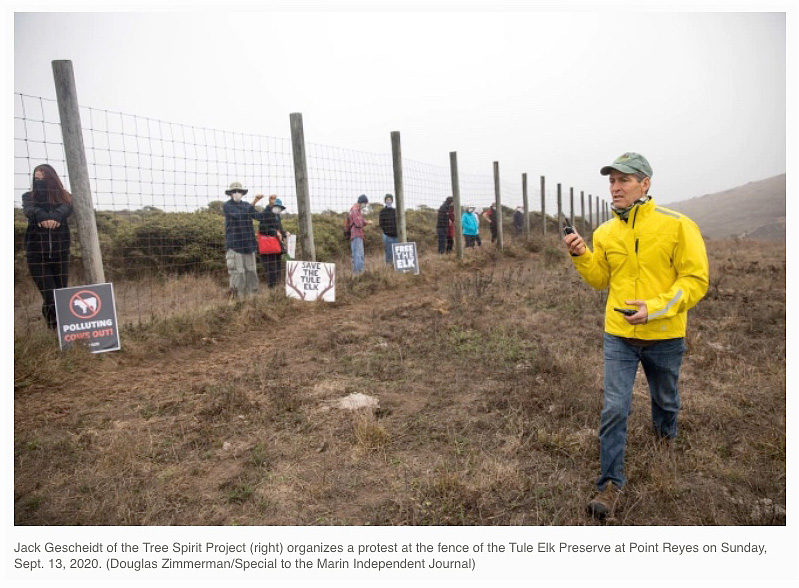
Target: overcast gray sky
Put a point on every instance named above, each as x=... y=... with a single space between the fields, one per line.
x=559 y=94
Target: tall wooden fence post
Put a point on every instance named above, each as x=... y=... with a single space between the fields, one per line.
x=456 y=201
x=543 y=207
x=582 y=210
x=560 y=209
x=301 y=182
x=78 y=170
x=399 y=189
x=598 y=217
x=498 y=211
x=571 y=206
x=526 y=206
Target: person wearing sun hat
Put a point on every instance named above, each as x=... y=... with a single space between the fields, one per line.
x=271 y=224
x=240 y=243
x=653 y=263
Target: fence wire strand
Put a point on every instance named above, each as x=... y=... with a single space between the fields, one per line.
x=168 y=174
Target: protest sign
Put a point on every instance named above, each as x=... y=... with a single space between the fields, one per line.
x=87 y=314
x=291 y=248
x=311 y=280
x=405 y=258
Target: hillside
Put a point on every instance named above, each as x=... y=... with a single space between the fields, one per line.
x=755 y=211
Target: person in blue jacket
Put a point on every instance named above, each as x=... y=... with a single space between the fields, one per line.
x=47 y=206
x=469 y=224
x=240 y=242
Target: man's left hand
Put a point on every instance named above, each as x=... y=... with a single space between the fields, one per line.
x=640 y=317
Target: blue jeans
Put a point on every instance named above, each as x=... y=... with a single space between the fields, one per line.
x=661 y=362
x=387 y=243
x=356 y=246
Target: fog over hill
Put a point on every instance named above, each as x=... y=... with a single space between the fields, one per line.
x=755 y=211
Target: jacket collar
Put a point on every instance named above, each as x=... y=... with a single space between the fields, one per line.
x=636 y=210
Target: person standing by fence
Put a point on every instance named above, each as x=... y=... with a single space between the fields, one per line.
x=477 y=240
x=490 y=214
x=469 y=224
x=356 y=223
x=47 y=207
x=271 y=226
x=518 y=221
x=240 y=242
x=654 y=260
x=442 y=224
x=388 y=223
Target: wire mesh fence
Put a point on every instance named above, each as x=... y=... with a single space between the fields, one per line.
x=158 y=189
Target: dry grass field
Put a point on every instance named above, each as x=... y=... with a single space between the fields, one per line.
x=488 y=375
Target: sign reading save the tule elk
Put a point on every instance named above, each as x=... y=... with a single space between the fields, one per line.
x=311 y=280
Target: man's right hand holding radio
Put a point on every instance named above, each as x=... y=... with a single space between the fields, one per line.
x=575 y=244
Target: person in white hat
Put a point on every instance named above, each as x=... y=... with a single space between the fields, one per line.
x=469 y=226
x=240 y=243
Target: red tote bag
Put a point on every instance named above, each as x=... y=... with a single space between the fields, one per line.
x=268 y=244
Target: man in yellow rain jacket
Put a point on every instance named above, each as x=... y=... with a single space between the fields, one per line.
x=653 y=262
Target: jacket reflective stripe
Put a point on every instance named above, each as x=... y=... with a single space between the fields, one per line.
x=666 y=212
x=669 y=304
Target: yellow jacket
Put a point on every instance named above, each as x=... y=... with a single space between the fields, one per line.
x=657 y=255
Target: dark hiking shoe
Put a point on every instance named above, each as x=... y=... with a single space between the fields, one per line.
x=604 y=504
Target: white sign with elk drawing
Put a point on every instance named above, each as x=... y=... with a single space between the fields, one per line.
x=311 y=280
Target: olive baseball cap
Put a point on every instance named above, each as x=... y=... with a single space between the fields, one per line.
x=629 y=163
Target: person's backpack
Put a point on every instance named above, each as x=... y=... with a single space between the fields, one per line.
x=347 y=226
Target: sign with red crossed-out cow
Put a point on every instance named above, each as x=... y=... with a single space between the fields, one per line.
x=87 y=315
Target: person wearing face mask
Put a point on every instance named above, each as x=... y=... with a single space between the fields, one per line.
x=653 y=263
x=444 y=219
x=240 y=242
x=388 y=223
x=271 y=225
x=476 y=215
x=47 y=207
x=357 y=223
x=490 y=214
x=518 y=221
x=469 y=224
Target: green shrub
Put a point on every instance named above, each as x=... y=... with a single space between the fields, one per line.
x=156 y=243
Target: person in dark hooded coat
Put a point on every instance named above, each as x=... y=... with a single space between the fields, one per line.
x=47 y=206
